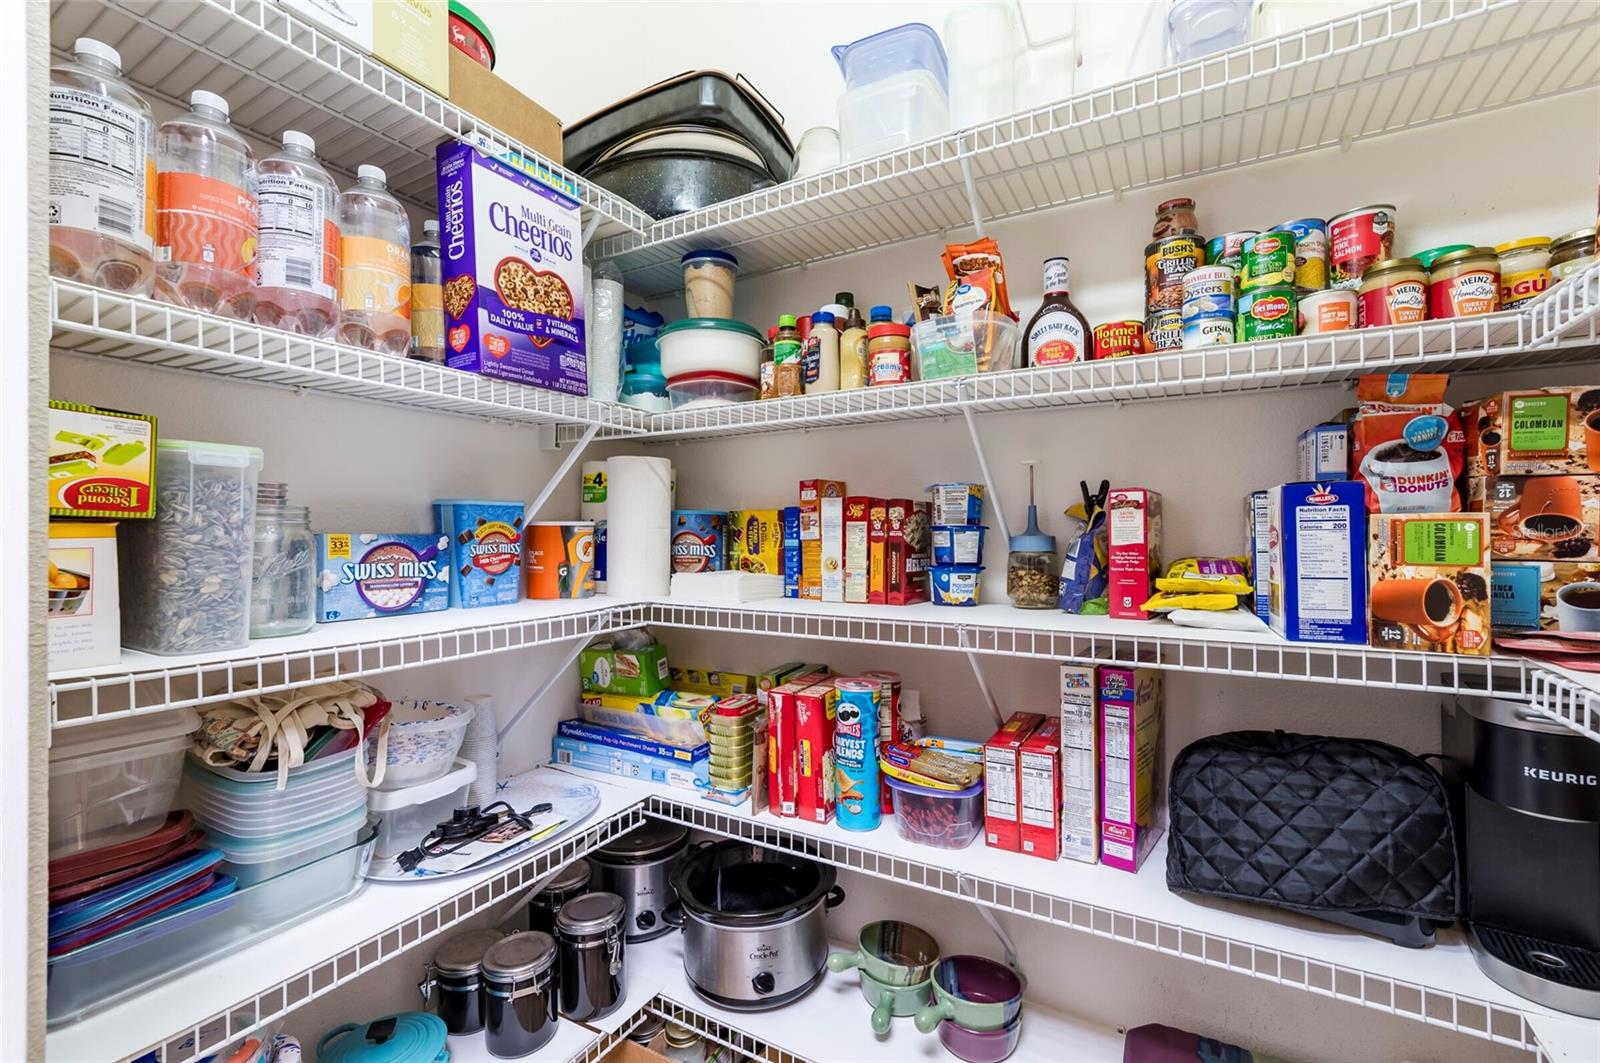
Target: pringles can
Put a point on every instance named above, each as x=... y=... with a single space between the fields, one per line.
x=559 y=557
x=856 y=732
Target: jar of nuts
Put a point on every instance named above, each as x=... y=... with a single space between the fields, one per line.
x=1031 y=567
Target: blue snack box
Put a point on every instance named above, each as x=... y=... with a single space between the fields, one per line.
x=1317 y=568
x=791 y=551
x=363 y=575
x=1257 y=537
x=485 y=550
x=595 y=756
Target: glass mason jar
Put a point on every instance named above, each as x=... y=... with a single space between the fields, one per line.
x=283 y=592
x=1033 y=579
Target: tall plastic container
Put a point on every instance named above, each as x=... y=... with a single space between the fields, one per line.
x=102 y=173
x=375 y=267
x=297 y=277
x=896 y=90
x=605 y=333
x=427 y=295
x=984 y=39
x=207 y=229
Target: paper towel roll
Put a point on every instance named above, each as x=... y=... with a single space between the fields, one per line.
x=638 y=527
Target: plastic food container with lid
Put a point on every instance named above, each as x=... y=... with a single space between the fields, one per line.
x=470 y=35
x=253 y=860
x=409 y=1037
x=115 y=781
x=1202 y=27
x=944 y=819
x=424 y=738
x=697 y=390
x=710 y=344
x=408 y=814
x=708 y=276
x=897 y=90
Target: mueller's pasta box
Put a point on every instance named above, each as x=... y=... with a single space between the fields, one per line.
x=513 y=273
x=362 y=575
x=1317 y=561
x=100 y=463
x=485 y=550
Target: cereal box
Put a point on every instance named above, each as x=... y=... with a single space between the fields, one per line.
x=513 y=273
x=1429 y=582
x=857 y=512
x=1257 y=538
x=1080 y=763
x=877 y=542
x=812 y=492
x=755 y=541
x=1130 y=765
x=368 y=575
x=833 y=549
x=1133 y=537
x=699 y=540
x=1002 y=786
x=83 y=621
x=485 y=550
x=100 y=463
x=1039 y=771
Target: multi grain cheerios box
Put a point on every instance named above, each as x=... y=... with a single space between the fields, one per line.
x=513 y=273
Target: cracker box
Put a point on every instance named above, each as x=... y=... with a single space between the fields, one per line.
x=485 y=550
x=513 y=273
x=908 y=539
x=877 y=542
x=1133 y=539
x=1324 y=453
x=1540 y=518
x=1002 y=785
x=816 y=711
x=1257 y=538
x=790 y=516
x=1428 y=582
x=1130 y=764
x=363 y=575
x=722 y=684
x=1080 y=764
x=857 y=538
x=1534 y=431
x=101 y=465
x=83 y=613
x=755 y=541
x=1039 y=773
x=1527 y=596
x=1317 y=562
x=783 y=759
x=605 y=669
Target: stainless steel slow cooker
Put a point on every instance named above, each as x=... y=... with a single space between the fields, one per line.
x=638 y=868
x=754 y=923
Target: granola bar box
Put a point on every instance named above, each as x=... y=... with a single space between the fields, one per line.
x=513 y=273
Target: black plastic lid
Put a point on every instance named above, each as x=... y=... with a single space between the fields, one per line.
x=654 y=838
x=575 y=876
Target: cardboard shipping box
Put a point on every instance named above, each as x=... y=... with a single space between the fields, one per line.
x=488 y=97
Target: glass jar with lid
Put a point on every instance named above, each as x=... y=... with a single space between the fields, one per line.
x=1464 y=283
x=1173 y=217
x=283 y=593
x=684 y=1045
x=1032 y=569
x=1524 y=270
x=1393 y=292
x=1572 y=254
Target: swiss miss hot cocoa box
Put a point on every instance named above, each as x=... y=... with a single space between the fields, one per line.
x=1133 y=540
x=1429 y=582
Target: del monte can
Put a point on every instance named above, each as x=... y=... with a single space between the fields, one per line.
x=1267 y=314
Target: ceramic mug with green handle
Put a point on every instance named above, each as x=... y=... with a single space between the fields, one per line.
x=892 y=952
x=973 y=992
x=891 y=1001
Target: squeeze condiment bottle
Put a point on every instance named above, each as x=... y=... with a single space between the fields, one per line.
x=838 y=311
x=1032 y=572
x=853 y=352
x=786 y=359
x=820 y=361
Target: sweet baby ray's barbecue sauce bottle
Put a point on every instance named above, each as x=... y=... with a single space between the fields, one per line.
x=1058 y=333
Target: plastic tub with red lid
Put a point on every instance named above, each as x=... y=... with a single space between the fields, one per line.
x=470 y=35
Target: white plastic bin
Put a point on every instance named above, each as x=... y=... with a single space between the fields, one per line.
x=405 y=816
x=115 y=781
x=896 y=90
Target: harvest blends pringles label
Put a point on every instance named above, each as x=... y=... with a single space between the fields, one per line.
x=485 y=550
x=699 y=540
x=366 y=575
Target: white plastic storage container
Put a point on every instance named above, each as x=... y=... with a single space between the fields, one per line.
x=115 y=781
x=897 y=91
x=405 y=816
x=185 y=576
x=424 y=738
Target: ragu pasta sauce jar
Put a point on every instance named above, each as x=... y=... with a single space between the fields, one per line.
x=1464 y=283
x=1393 y=292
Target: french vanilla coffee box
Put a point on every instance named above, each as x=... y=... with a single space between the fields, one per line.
x=1317 y=561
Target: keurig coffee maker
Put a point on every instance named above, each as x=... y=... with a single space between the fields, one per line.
x=1526 y=792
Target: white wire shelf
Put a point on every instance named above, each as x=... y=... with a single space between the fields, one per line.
x=93 y=322
x=279 y=72
x=144 y=683
x=206 y=1009
x=1395 y=67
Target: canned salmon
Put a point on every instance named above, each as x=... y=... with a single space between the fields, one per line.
x=1228 y=249
x=1163 y=331
x=1118 y=339
x=1207 y=330
x=1165 y=262
x=1357 y=239
x=1268 y=260
x=1208 y=290
x=1310 y=253
x=1267 y=314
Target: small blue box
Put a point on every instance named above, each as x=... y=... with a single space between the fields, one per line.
x=1318 y=561
x=485 y=550
x=606 y=736
x=791 y=551
x=595 y=756
x=1514 y=596
x=363 y=575
x=1324 y=453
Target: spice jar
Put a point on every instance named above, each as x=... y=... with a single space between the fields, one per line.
x=519 y=984
x=1572 y=253
x=1524 y=270
x=684 y=1045
x=1393 y=292
x=1173 y=217
x=571 y=881
x=1464 y=283
x=888 y=353
x=454 y=977
x=1032 y=580
x=589 y=933
x=283 y=590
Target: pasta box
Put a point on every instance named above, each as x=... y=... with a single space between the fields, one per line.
x=816 y=710
x=485 y=550
x=1317 y=561
x=908 y=539
x=755 y=541
x=363 y=575
x=1429 y=582
x=100 y=463
x=513 y=273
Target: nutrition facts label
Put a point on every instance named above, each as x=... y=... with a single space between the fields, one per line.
x=294 y=250
x=98 y=166
x=1323 y=562
x=1118 y=762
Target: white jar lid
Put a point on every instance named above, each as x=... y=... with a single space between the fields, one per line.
x=293 y=138
x=372 y=173
x=97 y=49
x=202 y=98
x=430 y=227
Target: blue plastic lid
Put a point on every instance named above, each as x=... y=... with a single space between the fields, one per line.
x=914 y=46
x=928 y=791
x=710 y=254
x=409 y=1037
x=881 y=313
x=821 y=317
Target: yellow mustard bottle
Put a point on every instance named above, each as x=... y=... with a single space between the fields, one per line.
x=853 y=352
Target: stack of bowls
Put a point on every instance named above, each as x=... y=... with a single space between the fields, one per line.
x=896 y=961
x=710 y=361
x=977 y=1008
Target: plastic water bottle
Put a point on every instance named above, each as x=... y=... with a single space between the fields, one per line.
x=375 y=266
x=297 y=277
x=102 y=173
x=427 y=295
x=206 y=223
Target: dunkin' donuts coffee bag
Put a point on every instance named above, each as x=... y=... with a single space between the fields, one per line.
x=1406 y=444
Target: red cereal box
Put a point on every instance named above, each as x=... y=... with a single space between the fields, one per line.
x=783 y=783
x=1039 y=771
x=907 y=542
x=877 y=537
x=1133 y=540
x=816 y=710
x=1002 y=785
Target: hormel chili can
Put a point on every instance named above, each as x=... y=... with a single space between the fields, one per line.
x=1356 y=240
x=1118 y=339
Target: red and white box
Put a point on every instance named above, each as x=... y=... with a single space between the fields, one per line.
x=1080 y=763
x=1130 y=764
x=816 y=712
x=857 y=520
x=877 y=539
x=888 y=726
x=1133 y=540
x=783 y=782
x=906 y=545
x=1039 y=772
x=1002 y=786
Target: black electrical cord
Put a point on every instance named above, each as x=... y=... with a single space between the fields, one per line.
x=466 y=826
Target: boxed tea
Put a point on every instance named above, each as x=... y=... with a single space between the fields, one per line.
x=1130 y=764
x=1528 y=596
x=1535 y=431
x=83 y=615
x=1133 y=538
x=100 y=463
x=1541 y=518
x=1429 y=582
x=1317 y=562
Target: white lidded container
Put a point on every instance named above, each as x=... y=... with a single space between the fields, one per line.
x=115 y=781
x=253 y=860
x=896 y=90
x=405 y=816
x=374 y=266
x=297 y=275
x=709 y=345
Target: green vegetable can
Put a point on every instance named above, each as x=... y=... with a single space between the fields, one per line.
x=1267 y=260
x=1267 y=313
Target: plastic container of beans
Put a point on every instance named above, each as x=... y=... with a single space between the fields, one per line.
x=943 y=819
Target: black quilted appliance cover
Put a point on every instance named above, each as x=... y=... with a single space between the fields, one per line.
x=1314 y=824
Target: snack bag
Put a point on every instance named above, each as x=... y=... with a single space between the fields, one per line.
x=1166 y=601
x=1206 y=575
x=1084 y=569
x=977 y=278
x=1407 y=444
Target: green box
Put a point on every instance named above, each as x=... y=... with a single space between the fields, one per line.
x=604 y=669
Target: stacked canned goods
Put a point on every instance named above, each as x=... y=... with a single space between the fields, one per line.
x=1208 y=306
x=1167 y=260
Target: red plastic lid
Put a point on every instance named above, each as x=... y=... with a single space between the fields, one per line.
x=888 y=328
x=772 y=333
x=1183 y=201
x=90 y=863
x=66 y=891
x=710 y=374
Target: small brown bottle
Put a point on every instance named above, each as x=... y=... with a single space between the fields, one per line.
x=1058 y=333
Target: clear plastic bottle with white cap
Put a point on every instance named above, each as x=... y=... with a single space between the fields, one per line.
x=375 y=266
x=297 y=273
x=102 y=173
x=207 y=228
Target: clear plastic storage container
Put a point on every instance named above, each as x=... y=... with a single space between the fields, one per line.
x=115 y=781
x=297 y=279
x=253 y=860
x=1198 y=28
x=897 y=90
x=185 y=576
x=405 y=816
x=944 y=819
x=978 y=341
x=694 y=390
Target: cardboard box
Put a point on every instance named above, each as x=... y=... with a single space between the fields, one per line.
x=628 y=764
x=1540 y=518
x=604 y=669
x=361 y=575
x=816 y=710
x=791 y=551
x=812 y=492
x=1534 y=431
x=1526 y=596
x=1317 y=563
x=1080 y=763
x=755 y=541
x=102 y=463
x=1257 y=540
x=492 y=100
x=1039 y=770
x=1428 y=582
x=1002 y=782
x=776 y=677
x=83 y=612
x=877 y=540
x=833 y=549
x=722 y=684
x=907 y=543
x=857 y=537
x=1133 y=539
x=1324 y=453
x=1130 y=764
x=485 y=550
x=413 y=36
x=783 y=763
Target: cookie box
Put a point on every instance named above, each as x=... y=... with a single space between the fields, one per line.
x=1429 y=582
x=485 y=550
x=363 y=575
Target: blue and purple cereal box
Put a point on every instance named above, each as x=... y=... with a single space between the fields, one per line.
x=513 y=273
x=485 y=550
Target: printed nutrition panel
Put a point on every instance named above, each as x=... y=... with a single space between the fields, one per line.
x=1321 y=550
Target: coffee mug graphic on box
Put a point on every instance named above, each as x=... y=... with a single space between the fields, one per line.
x=368 y=575
x=1430 y=582
x=485 y=550
x=1578 y=607
x=1525 y=595
x=1543 y=517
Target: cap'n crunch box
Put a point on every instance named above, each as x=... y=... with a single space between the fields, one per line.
x=1039 y=771
x=1002 y=786
x=816 y=711
x=857 y=538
